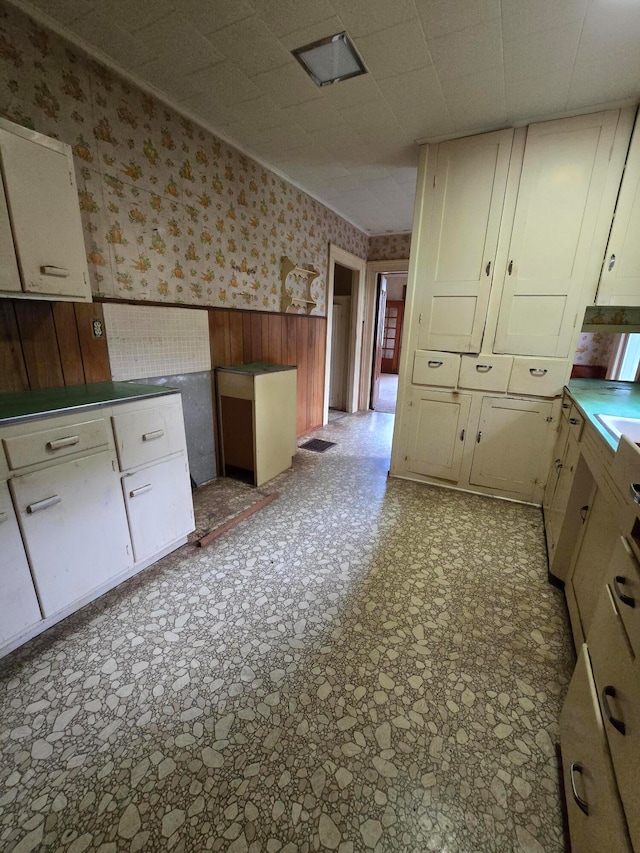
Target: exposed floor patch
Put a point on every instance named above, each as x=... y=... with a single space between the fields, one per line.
x=365 y=665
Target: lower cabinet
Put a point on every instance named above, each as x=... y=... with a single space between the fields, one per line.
x=75 y=528
x=500 y=444
x=18 y=602
x=438 y=430
x=159 y=507
x=596 y=819
x=510 y=443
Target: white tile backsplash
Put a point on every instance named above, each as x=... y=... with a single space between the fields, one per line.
x=147 y=341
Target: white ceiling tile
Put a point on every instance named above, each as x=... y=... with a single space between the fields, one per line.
x=533 y=98
x=287 y=85
x=417 y=100
x=314 y=114
x=65 y=11
x=135 y=16
x=113 y=41
x=166 y=39
x=226 y=82
x=477 y=101
x=604 y=32
x=209 y=17
x=542 y=52
x=286 y=16
x=251 y=45
x=394 y=50
x=362 y=17
x=442 y=17
x=521 y=17
x=616 y=77
x=357 y=90
x=311 y=33
x=173 y=85
x=467 y=52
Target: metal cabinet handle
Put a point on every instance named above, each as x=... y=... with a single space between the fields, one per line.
x=538 y=371
x=609 y=692
x=140 y=490
x=558 y=464
x=612 y=262
x=635 y=492
x=510 y=267
x=619 y=581
x=487 y=269
x=44 y=504
x=582 y=804
x=59 y=443
x=484 y=368
x=479 y=437
x=150 y=436
x=566 y=405
x=435 y=363
x=583 y=512
x=574 y=421
x=58 y=272
x=462 y=435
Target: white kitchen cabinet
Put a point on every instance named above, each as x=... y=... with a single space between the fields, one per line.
x=19 y=606
x=159 y=506
x=510 y=441
x=620 y=277
x=437 y=429
x=74 y=526
x=458 y=248
x=44 y=229
x=549 y=260
x=596 y=819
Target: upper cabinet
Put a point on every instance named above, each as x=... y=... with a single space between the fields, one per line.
x=620 y=278
x=42 y=248
x=467 y=184
x=549 y=260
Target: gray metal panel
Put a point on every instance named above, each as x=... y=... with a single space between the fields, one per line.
x=198 y=419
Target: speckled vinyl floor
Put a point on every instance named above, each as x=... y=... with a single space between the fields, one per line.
x=365 y=665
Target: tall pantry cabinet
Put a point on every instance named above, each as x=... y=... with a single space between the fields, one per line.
x=510 y=229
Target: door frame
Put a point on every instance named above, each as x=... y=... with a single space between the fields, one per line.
x=374 y=268
x=358 y=266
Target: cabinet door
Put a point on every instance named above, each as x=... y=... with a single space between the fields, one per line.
x=561 y=185
x=461 y=242
x=438 y=423
x=510 y=445
x=9 y=275
x=45 y=215
x=620 y=278
x=18 y=603
x=74 y=527
x=592 y=558
x=552 y=482
x=159 y=506
x=596 y=821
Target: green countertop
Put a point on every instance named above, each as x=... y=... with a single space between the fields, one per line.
x=24 y=405
x=256 y=368
x=605 y=397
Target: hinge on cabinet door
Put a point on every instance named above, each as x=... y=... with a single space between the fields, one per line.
x=419 y=319
x=549 y=419
x=406 y=458
x=71 y=178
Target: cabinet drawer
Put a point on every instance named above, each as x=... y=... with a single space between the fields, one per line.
x=55 y=443
x=618 y=688
x=624 y=581
x=159 y=506
x=544 y=377
x=485 y=372
x=146 y=435
x=596 y=820
x=435 y=368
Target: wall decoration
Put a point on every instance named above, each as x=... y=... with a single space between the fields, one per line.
x=170 y=213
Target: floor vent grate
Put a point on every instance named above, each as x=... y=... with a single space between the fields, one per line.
x=318 y=445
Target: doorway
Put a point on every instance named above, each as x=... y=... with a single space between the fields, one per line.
x=391 y=289
x=342 y=293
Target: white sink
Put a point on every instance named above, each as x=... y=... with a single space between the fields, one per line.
x=618 y=426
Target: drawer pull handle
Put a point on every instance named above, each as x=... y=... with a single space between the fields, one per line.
x=45 y=504
x=479 y=437
x=619 y=581
x=538 y=371
x=487 y=269
x=434 y=363
x=140 y=491
x=59 y=443
x=635 y=492
x=558 y=464
x=609 y=692
x=4 y=516
x=583 y=512
x=575 y=421
x=58 y=272
x=612 y=262
x=483 y=368
x=150 y=436
x=582 y=804
x=462 y=435
x=566 y=405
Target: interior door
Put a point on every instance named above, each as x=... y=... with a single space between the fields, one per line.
x=392 y=335
x=377 y=353
x=462 y=238
x=339 y=352
x=561 y=185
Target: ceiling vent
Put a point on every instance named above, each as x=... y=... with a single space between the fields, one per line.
x=331 y=59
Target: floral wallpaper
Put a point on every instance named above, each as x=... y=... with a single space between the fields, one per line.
x=389 y=247
x=170 y=212
x=594 y=348
x=606 y=315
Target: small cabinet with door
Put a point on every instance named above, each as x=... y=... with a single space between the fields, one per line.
x=42 y=248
